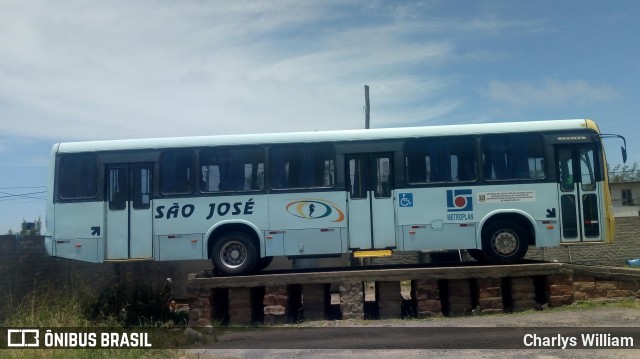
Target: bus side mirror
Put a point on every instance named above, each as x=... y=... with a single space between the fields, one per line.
x=623 y=148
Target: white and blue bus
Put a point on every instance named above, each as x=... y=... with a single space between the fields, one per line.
x=240 y=200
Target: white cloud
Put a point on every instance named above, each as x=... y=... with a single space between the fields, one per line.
x=91 y=70
x=139 y=69
x=548 y=92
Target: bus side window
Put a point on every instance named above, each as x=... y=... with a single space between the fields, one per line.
x=78 y=176
x=302 y=166
x=463 y=159
x=565 y=169
x=508 y=157
x=440 y=160
x=422 y=161
x=177 y=171
x=231 y=169
x=588 y=177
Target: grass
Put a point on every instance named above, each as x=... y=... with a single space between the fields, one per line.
x=598 y=303
x=83 y=309
x=47 y=308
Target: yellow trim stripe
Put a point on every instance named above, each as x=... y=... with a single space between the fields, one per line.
x=375 y=253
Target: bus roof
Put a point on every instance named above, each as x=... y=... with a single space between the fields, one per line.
x=326 y=136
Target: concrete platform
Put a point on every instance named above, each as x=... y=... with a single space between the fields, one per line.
x=274 y=298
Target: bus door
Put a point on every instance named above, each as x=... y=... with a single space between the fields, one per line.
x=129 y=211
x=371 y=218
x=580 y=178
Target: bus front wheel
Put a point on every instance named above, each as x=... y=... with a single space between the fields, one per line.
x=234 y=253
x=504 y=242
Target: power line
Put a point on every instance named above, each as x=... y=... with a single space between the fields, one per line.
x=24 y=187
x=29 y=195
x=20 y=194
x=21 y=202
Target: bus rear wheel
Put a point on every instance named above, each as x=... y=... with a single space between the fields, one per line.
x=504 y=242
x=234 y=253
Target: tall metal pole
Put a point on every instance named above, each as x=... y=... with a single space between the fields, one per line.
x=366 y=106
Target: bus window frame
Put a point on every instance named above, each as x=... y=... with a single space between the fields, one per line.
x=59 y=197
x=473 y=141
x=576 y=138
x=199 y=164
x=270 y=167
x=545 y=158
x=192 y=181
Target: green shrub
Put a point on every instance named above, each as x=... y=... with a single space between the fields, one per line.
x=120 y=305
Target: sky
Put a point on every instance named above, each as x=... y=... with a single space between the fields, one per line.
x=91 y=70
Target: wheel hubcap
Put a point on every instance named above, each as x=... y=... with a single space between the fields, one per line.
x=233 y=254
x=505 y=242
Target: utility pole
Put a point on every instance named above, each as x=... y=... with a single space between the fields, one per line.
x=366 y=107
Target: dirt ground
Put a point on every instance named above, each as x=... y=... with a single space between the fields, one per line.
x=393 y=335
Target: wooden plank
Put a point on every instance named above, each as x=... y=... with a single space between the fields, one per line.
x=395 y=274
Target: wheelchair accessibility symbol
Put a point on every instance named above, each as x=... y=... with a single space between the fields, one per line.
x=406 y=200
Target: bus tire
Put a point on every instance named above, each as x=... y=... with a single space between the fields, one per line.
x=234 y=253
x=504 y=242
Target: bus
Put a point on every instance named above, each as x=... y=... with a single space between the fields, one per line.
x=241 y=200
